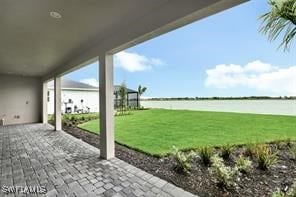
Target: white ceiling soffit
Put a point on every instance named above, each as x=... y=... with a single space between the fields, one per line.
x=51 y=37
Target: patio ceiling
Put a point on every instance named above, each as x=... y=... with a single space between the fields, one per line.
x=34 y=43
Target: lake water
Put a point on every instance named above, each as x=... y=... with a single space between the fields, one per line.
x=280 y=107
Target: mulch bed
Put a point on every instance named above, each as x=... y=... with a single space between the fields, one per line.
x=199 y=181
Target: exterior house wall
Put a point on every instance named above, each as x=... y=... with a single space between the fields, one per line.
x=20 y=99
x=90 y=99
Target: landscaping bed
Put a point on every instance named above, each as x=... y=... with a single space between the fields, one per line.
x=200 y=180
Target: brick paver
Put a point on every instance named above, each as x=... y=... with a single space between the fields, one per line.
x=35 y=155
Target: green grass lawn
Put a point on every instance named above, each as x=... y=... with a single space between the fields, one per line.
x=156 y=131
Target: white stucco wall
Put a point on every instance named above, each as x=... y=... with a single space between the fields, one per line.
x=90 y=99
x=20 y=99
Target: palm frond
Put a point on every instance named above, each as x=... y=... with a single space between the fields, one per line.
x=281 y=20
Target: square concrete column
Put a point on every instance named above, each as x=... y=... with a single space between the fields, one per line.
x=107 y=148
x=57 y=104
x=44 y=103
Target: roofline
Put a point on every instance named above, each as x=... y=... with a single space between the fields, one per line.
x=86 y=89
x=77 y=89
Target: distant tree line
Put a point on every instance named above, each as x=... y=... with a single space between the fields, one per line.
x=225 y=98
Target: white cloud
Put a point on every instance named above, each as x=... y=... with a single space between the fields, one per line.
x=90 y=81
x=259 y=67
x=134 y=62
x=257 y=75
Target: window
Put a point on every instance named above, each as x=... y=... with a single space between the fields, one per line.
x=48 y=96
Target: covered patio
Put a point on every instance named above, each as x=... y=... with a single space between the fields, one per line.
x=44 y=40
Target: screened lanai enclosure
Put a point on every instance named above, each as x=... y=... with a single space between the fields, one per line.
x=132 y=98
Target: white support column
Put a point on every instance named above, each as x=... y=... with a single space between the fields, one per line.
x=44 y=103
x=57 y=104
x=107 y=148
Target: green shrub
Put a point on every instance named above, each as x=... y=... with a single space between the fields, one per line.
x=224 y=175
x=65 y=117
x=73 y=118
x=183 y=160
x=279 y=144
x=205 y=154
x=292 y=190
x=289 y=142
x=250 y=150
x=226 y=151
x=64 y=122
x=278 y=193
x=244 y=165
x=290 y=193
x=292 y=150
x=265 y=157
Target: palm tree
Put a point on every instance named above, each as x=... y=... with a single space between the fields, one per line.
x=280 y=20
x=141 y=91
x=122 y=100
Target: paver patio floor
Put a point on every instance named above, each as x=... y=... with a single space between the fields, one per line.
x=35 y=155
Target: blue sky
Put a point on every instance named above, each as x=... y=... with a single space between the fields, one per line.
x=222 y=55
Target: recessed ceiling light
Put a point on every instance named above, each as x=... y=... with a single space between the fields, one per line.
x=56 y=15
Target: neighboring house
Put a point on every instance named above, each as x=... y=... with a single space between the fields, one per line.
x=79 y=97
